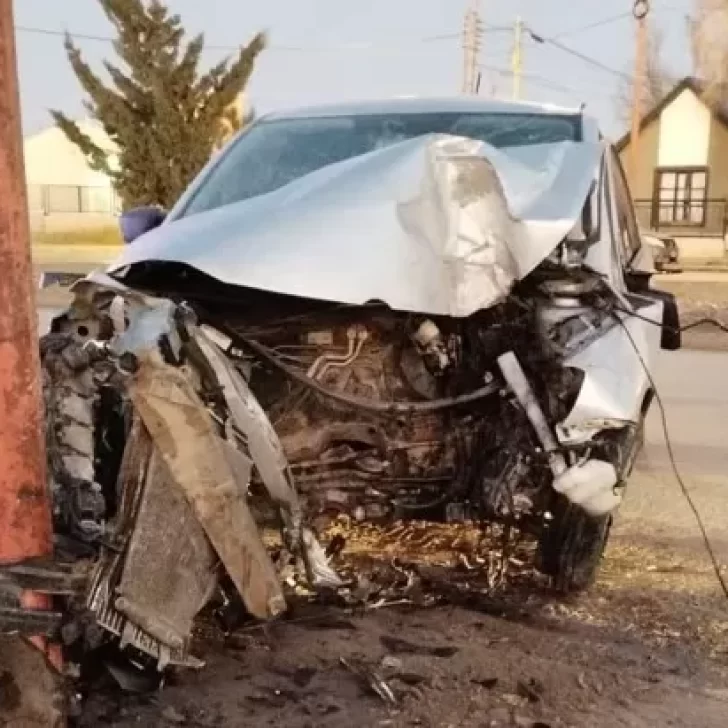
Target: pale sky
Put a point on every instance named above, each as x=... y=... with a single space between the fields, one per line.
x=330 y=50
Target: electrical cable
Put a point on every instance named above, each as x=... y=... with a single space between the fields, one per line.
x=673 y=463
x=436 y=405
x=591 y=26
x=674 y=329
x=276 y=47
x=543 y=40
x=533 y=78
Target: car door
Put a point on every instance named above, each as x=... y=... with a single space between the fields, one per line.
x=636 y=260
x=629 y=241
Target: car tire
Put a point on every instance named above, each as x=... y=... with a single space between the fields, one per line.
x=571 y=546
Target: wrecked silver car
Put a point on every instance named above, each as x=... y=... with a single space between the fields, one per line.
x=393 y=311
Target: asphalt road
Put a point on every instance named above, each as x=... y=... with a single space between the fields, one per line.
x=693 y=389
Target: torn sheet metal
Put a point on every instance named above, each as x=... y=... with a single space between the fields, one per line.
x=162 y=595
x=588 y=484
x=152 y=622
x=261 y=439
x=266 y=451
x=192 y=450
x=438 y=224
x=615 y=382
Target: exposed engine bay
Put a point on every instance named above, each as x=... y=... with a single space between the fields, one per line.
x=316 y=411
x=386 y=415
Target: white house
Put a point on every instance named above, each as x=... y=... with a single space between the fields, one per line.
x=62 y=189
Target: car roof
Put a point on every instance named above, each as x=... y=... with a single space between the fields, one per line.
x=426 y=105
x=422 y=105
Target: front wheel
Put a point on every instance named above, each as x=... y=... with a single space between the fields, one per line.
x=571 y=546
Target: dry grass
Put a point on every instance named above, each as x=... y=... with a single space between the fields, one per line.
x=83 y=236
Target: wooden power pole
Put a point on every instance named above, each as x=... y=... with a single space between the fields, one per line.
x=471 y=49
x=640 y=10
x=517 y=58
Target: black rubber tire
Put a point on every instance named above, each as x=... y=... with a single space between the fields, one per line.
x=571 y=546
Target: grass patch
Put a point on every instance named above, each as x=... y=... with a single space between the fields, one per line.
x=83 y=236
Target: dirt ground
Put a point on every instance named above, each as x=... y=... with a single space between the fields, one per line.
x=441 y=638
x=470 y=646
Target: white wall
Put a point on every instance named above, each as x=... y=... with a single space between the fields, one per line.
x=50 y=159
x=684 y=133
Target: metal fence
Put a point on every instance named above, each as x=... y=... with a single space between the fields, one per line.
x=74 y=199
x=696 y=220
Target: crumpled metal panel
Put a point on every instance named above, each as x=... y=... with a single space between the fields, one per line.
x=263 y=444
x=615 y=381
x=194 y=453
x=438 y=224
x=134 y=478
x=169 y=569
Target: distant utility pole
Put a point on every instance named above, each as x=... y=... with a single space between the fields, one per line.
x=640 y=11
x=517 y=58
x=471 y=49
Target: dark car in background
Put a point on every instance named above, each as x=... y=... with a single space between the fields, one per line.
x=665 y=253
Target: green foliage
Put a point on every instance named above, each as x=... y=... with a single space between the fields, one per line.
x=163 y=115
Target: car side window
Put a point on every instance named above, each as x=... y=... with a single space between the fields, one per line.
x=627 y=229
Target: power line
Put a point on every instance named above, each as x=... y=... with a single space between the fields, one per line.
x=355 y=46
x=533 y=78
x=542 y=40
x=591 y=26
x=715 y=563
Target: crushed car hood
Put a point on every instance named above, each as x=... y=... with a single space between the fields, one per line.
x=438 y=224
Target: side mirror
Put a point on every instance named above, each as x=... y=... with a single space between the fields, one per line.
x=643 y=261
x=641 y=268
x=671 y=339
x=134 y=223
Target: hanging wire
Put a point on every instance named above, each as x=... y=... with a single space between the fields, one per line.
x=671 y=454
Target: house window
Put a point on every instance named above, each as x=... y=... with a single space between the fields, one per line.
x=682 y=196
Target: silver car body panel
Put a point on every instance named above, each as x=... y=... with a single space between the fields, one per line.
x=617 y=377
x=440 y=225
x=437 y=224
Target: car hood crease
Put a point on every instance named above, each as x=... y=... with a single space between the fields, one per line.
x=438 y=224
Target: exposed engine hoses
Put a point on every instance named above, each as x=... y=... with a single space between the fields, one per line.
x=360 y=402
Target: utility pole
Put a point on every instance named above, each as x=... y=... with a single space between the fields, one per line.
x=25 y=523
x=517 y=58
x=25 y=515
x=471 y=49
x=640 y=11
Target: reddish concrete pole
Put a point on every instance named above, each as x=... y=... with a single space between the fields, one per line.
x=25 y=516
x=25 y=520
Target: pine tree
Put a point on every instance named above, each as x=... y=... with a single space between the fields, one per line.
x=164 y=117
